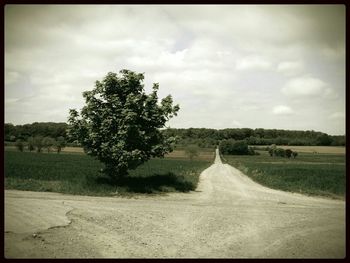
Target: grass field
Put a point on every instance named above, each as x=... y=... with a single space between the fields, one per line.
x=313 y=174
x=79 y=174
x=310 y=149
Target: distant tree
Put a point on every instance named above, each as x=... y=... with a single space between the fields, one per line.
x=288 y=153
x=280 y=152
x=234 y=147
x=191 y=151
x=60 y=144
x=38 y=142
x=272 y=150
x=31 y=144
x=20 y=145
x=324 y=140
x=48 y=143
x=120 y=124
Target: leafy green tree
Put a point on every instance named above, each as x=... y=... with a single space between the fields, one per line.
x=48 y=143
x=288 y=153
x=31 y=144
x=234 y=147
x=191 y=151
x=60 y=144
x=20 y=145
x=120 y=124
x=324 y=140
x=280 y=152
x=38 y=142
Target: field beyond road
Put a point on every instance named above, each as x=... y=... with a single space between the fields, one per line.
x=309 y=173
x=228 y=216
x=80 y=174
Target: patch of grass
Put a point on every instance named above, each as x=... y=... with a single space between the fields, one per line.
x=320 y=174
x=80 y=174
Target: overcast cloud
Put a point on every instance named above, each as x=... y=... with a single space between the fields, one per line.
x=227 y=66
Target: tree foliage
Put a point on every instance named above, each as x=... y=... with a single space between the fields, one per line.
x=20 y=145
x=38 y=143
x=234 y=147
x=191 y=151
x=60 y=144
x=206 y=138
x=120 y=124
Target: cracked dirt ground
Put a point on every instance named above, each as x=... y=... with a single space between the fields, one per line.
x=228 y=216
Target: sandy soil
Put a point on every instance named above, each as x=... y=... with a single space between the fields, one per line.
x=316 y=149
x=228 y=216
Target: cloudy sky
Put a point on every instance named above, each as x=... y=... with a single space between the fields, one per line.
x=230 y=66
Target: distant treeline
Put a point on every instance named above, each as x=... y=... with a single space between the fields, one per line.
x=45 y=129
x=212 y=137
x=206 y=138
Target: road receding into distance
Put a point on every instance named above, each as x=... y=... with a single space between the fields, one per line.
x=228 y=216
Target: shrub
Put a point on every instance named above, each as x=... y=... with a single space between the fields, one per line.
x=280 y=152
x=288 y=153
x=20 y=145
x=234 y=147
x=191 y=151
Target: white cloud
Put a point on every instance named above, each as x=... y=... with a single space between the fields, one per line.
x=282 y=110
x=11 y=77
x=337 y=116
x=290 y=68
x=220 y=63
x=304 y=86
x=253 y=63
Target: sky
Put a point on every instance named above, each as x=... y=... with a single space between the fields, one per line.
x=227 y=66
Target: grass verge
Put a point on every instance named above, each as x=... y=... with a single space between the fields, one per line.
x=79 y=174
x=311 y=174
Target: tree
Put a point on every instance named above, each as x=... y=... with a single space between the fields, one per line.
x=120 y=124
x=48 y=143
x=191 y=151
x=272 y=150
x=280 y=152
x=234 y=147
x=38 y=142
x=20 y=145
x=31 y=144
x=324 y=140
x=60 y=143
x=289 y=153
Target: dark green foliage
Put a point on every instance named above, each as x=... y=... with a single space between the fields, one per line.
x=191 y=151
x=204 y=138
x=280 y=152
x=44 y=129
x=39 y=143
x=80 y=174
x=288 y=153
x=235 y=147
x=274 y=151
x=120 y=123
x=324 y=139
x=20 y=145
x=60 y=144
x=48 y=143
x=31 y=144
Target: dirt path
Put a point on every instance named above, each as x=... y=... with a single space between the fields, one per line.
x=228 y=216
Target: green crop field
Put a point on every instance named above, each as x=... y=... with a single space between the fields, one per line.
x=313 y=174
x=79 y=174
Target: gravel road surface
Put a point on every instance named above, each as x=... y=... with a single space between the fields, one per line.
x=228 y=216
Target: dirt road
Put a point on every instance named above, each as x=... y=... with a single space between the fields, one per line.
x=228 y=216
